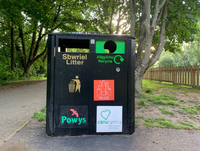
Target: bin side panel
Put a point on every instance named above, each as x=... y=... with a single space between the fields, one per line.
x=50 y=87
x=131 y=87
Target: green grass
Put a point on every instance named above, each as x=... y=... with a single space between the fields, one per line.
x=182 y=101
x=163 y=123
x=163 y=99
x=190 y=109
x=143 y=103
x=164 y=111
x=136 y=123
x=182 y=111
x=196 y=127
x=186 y=123
x=40 y=116
x=156 y=85
x=192 y=117
x=194 y=101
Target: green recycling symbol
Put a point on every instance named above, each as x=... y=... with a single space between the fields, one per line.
x=105 y=114
x=121 y=59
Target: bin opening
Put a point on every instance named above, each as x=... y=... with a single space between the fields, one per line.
x=74 y=45
x=110 y=46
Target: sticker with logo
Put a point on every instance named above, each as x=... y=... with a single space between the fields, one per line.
x=109 y=119
x=104 y=90
x=73 y=116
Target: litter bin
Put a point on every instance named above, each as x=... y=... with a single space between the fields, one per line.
x=90 y=84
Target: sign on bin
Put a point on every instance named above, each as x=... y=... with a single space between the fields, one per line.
x=109 y=119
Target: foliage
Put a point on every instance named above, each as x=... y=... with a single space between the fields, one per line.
x=40 y=116
x=190 y=109
x=143 y=103
x=163 y=123
x=164 y=111
x=23 y=32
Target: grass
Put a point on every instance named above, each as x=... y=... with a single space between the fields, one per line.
x=136 y=123
x=186 y=123
x=192 y=117
x=190 y=109
x=182 y=101
x=181 y=111
x=196 y=127
x=40 y=116
x=163 y=99
x=143 y=103
x=156 y=85
x=164 y=111
x=163 y=123
x=194 y=101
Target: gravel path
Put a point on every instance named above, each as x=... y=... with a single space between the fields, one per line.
x=17 y=106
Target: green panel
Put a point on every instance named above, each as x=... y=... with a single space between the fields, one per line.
x=100 y=47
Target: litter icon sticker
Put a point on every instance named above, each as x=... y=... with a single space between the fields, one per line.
x=104 y=90
x=75 y=85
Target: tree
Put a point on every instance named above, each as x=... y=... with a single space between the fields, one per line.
x=167 y=59
x=179 y=17
x=148 y=20
x=29 y=22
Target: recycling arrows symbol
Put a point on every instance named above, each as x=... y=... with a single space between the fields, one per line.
x=121 y=59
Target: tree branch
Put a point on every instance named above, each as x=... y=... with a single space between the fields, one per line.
x=133 y=16
x=40 y=36
x=161 y=43
x=21 y=35
x=32 y=46
x=40 y=55
x=155 y=16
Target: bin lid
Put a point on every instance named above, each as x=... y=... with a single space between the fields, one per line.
x=88 y=34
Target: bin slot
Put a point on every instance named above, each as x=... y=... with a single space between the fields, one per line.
x=74 y=45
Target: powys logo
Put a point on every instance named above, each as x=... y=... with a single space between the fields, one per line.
x=74 y=116
x=109 y=119
x=74 y=112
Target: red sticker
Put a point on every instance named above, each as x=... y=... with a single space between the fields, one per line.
x=104 y=90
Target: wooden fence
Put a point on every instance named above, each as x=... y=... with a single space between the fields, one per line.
x=184 y=75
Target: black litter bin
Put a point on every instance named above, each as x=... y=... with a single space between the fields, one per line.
x=90 y=84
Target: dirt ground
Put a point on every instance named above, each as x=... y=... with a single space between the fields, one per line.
x=187 y=97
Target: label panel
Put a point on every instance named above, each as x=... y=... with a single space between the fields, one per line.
x=104 y=90
x=73 y=116
x=119 y=47
x=109 y=119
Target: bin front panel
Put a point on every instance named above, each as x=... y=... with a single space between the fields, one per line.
x=90 y=89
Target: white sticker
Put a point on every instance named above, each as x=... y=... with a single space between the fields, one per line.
x=109 y=119
x=92 y=41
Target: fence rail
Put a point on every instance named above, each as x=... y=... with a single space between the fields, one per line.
x=184 y=75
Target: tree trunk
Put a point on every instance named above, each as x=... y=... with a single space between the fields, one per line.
x=138 y=83
x=42 y=66
x=12 y=48
x=143 y=57
x=133 y=13
x=26 y=72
